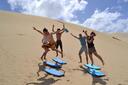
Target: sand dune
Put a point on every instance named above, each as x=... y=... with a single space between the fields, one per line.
x=20 y=51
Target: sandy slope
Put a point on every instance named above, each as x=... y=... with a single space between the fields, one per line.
x=20 y=51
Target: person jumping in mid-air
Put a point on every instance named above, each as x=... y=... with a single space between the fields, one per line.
x=59 y=33
x=48 y=42
x=83 y=48
x=91 y=47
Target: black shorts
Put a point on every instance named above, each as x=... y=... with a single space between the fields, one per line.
x=91 y=50
x=59 y=43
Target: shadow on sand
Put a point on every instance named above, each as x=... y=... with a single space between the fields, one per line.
x=99 y=80
x=95 y=80
x=81 y=69
x=44 y=81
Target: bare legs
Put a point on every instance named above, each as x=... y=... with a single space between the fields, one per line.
x=61 y=52
x=59 y=43
x=90 y=56
x=86 y=57
x=97 y=55
x=83 y=49
x=80 y=58
x=58 y=51
x=43 y=57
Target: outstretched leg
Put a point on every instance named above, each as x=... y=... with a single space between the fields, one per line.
x=99 y=57
x=58 y=51
x=86 y=57
x=90 y=56
x=80 y=57
x=80 y=52
x=57 y=48
x=53 y=47
x=61 y=47
x=44 y=54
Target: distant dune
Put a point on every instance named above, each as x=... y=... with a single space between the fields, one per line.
x=20 y=51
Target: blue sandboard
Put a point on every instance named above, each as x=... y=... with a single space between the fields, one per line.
x=54 y=72
x=54 y=65
x=92 y=66
x=58 y=60
x=94 y=72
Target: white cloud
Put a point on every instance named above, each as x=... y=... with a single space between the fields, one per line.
x=107 y=21
x=63 y=9
x=120 y=1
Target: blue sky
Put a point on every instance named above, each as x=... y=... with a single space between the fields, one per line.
x=100 y=15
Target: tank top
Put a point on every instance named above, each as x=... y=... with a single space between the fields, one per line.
x=91 y=44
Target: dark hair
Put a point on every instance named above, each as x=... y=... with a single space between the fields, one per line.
x=45 y=30
x=93 y=33
x=58 y=29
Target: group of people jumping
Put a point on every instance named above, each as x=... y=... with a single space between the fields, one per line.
x=86 y=41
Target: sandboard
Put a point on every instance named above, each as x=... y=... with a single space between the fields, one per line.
x=54 y=65
x=92 y=66
x=94 y=72
x=58 y=60
x=54 y=72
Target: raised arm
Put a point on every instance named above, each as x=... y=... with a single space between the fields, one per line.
x=38 y=31
x=86 y=33
x=53 y=28
x=89 y=40
x=62 y=30
x=53 y=31
x=74 y=36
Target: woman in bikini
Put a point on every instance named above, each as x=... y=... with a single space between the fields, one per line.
x=91 y=47
x=48 y=42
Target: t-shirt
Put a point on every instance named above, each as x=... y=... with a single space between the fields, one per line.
x=48 y=39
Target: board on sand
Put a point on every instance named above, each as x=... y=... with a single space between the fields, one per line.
x=94 y=72
x=58 y=60
x=54 y=65
x=54 y=72
x=92 y=66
